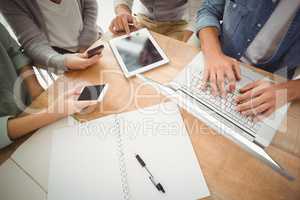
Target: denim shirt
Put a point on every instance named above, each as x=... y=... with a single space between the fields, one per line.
x=239 y=21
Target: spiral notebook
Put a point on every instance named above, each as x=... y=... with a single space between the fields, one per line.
x=96 y=160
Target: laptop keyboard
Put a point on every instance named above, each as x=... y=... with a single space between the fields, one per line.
x=224 y=106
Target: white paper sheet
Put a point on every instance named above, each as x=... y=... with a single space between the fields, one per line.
x=85 y=161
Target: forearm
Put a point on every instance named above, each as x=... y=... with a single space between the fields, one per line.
x=20 y=126
x=210 y=43
x=293 y=90
x=31 y=82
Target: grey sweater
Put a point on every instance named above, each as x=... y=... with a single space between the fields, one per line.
x=26 y=19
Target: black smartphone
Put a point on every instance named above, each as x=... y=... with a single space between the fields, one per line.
x=93 y=93
x=95 y=51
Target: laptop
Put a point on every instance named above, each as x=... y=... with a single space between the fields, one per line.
x=220 y=114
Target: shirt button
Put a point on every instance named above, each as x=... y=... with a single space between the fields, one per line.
x=239 y=54
x=234 y=6
x=259 y=25
x=248 y=40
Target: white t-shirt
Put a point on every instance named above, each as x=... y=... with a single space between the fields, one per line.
x=64 y=23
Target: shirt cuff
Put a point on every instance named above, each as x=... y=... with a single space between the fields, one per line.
x=4 y=139
x=20 y=61
x=206 y=21
x=57 y=61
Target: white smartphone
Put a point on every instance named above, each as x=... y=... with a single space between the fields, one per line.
x=93 y=93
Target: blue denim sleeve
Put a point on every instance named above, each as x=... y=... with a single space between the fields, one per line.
x=210 y=14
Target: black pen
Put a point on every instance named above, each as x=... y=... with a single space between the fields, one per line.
x=158 y=186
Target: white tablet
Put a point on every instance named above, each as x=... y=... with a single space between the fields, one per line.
x=138 y=52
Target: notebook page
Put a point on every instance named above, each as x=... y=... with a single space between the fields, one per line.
x=84 y=163
x=38 y=146
x=159 y=136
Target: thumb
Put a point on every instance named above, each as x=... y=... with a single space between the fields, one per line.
x=92 y=60
x=83 y=55
x=76 y=91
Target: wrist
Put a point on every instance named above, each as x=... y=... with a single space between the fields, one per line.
x=123 y=9
x=67 y=62
x=50 y=113
x=212 y=53
x=292 y=87
x=57 y=110
x=293 y=90
x=210 y=43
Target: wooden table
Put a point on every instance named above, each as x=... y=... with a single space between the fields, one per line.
x=230 y=172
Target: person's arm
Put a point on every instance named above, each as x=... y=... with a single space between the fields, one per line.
x=12 y=128
x=190 y=16
x=261 y=98
x=20 y=126
x=21 y=63
x=293 y=90
x=35 y=42
x=210 y=14
x=123 y=19
x=32 y=84
x=123 y=6
x=90 y=32
x=218 y=66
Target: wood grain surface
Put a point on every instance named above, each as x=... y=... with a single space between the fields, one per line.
x=230 y=172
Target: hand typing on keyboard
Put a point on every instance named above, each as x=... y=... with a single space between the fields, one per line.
x=225 y=106
x=219 y=69
x=261 y=98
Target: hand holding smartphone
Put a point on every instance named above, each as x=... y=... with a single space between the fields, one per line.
x=95 y=51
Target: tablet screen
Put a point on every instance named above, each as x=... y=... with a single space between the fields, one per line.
x=137 y=51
